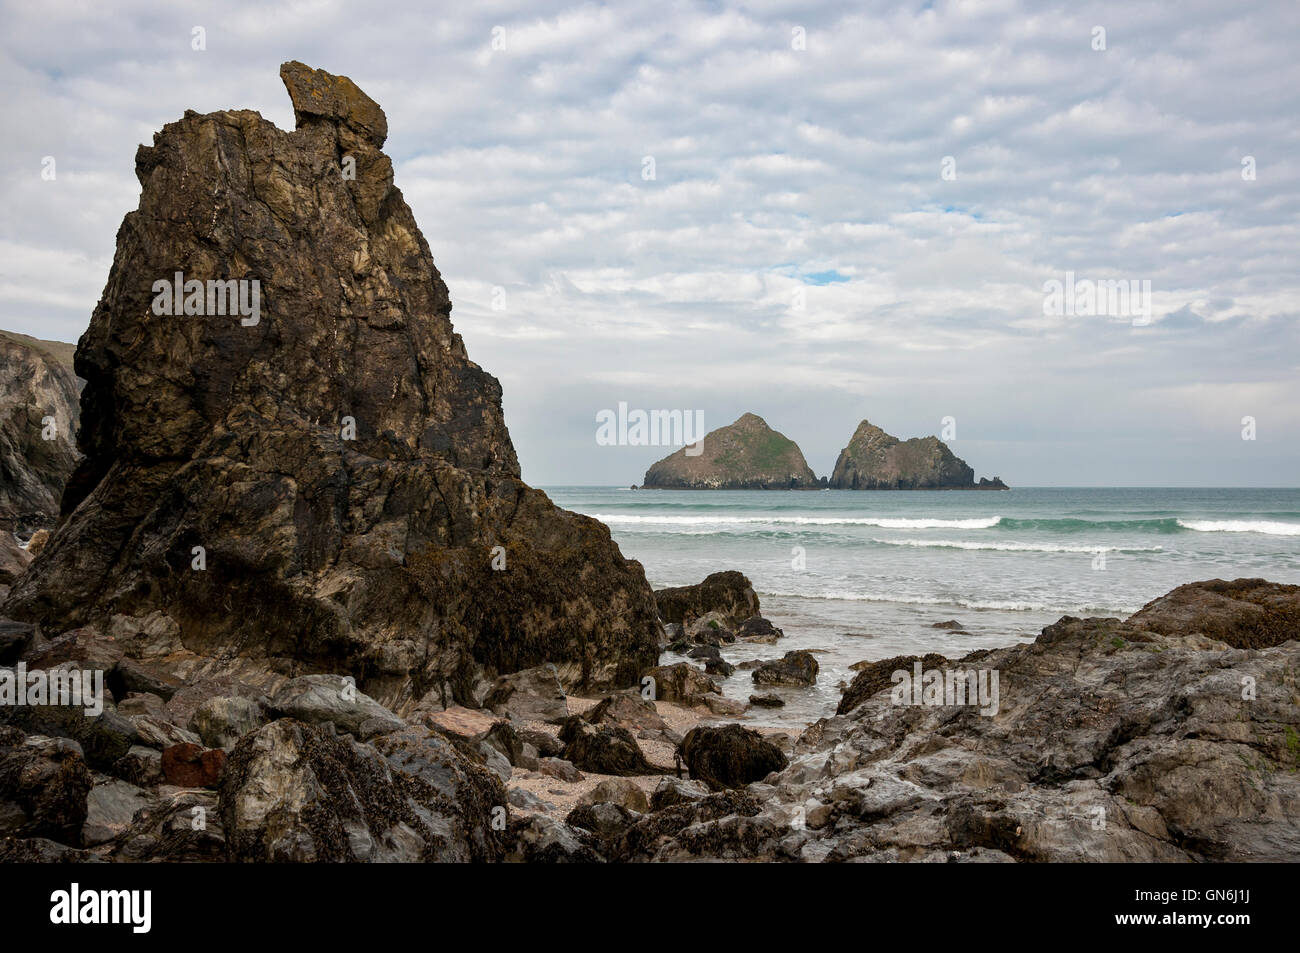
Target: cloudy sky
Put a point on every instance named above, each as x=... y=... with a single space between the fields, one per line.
x=853 y=212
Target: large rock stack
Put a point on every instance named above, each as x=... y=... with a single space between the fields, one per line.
x=326 y=484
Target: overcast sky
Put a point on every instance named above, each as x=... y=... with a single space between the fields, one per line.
x=915 y=172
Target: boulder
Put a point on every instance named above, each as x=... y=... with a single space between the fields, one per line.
x=130 y=675
x=730 y=594
x=102 y=739
x=608 y=823
x=459 y=722
x=1244 y=613
x=223 y=719
x=538 y=839
x=140 y=766
x=88 y=649
x=157 y=733
x=324 y=481
x=559 y=769
x=669 y=830
x=767 y=701
x=729 y=756
x=671 y=791
x=526 y=800
x=179 y=826
x=332 y=698
x=719 y=705
x=710 y=630
x=110 y=809
x=681 y=683
x=798 y=668
x=534 y=694
x=193 y=766
x=626 y=794
x=758 y=630
x=603 y=749
x=44 y=784
x=293 y=792
x=628 y=711
x=184 y=705
x=143 y=703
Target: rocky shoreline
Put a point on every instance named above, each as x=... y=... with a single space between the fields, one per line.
x=1171 y=735
x=295 y=603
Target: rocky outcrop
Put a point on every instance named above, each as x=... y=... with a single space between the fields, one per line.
x=1244 y=613
x=323 y=483
x=730 y=756
x=39 y=416
x=798 y=668
x=729 y=594
x=875 y=460
x=1137 y=740
x=746 y=455
x=293 y=792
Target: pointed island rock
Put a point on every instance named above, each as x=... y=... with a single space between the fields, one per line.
x=745 y=455
x=875 y=460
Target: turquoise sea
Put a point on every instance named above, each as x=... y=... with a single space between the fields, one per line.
x=865 y=575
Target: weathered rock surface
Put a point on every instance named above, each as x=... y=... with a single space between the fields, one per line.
x=618 y=791
x=330 y=698
x=682 y=683
x=44 y=783
x=1245 y=613
x=745 y=455
x=191 y=765
x=39 y=398
x=13 y=561
x=110 y=810
x=293 y=792
x=604 y=749
x=531 y=695
x=324 y=550
x=730 y=756
x=1111 y=742
x=798 y=668
x=875 y=460
x=222 y=720
x=728 y=595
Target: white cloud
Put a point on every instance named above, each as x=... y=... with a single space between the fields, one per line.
x=775 y=169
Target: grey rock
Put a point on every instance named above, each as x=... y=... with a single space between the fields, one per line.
x=110 y=809
x=534 y=694
x=621 y=791
x=223 y=719
x=330 y=698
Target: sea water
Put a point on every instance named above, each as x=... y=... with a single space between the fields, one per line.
x=865 y=575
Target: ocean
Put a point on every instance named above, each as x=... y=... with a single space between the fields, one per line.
x=865 y=575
